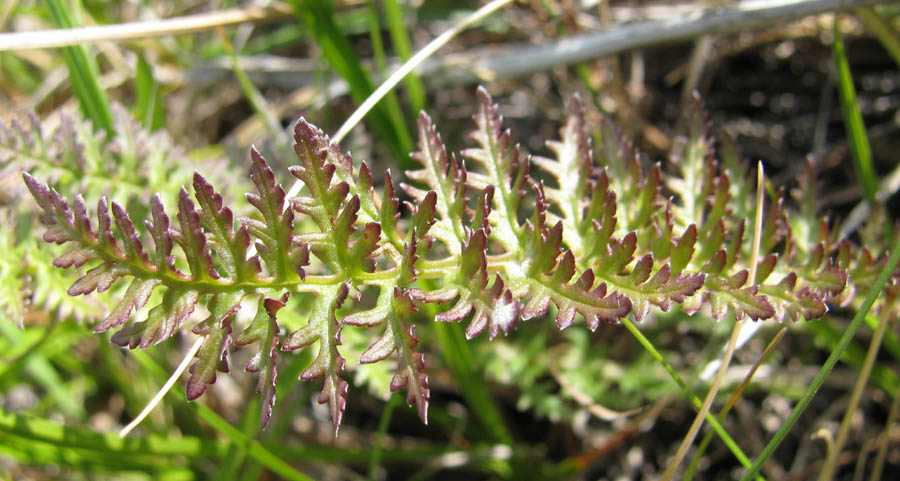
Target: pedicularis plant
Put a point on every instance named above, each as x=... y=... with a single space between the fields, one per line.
x=493 y=233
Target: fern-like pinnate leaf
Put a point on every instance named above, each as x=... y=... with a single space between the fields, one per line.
x=400 y=338
x=128 y=167
x=324 y=328
x=589 y=229
x=264 y=330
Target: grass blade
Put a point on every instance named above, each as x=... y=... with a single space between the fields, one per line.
x=853 y=122
x=735 y=396
x=732 y=342
x=713 y=422
x=50 y=432
x=472 y=384
x=280 y=424
x=234 y=459
x=415 y=90
x=149 y=108
x=883 y=31
x=832 y=459
x=44 y=373
x=318 y=17
x=390 y=102
x=84 y=74
x=257 y=100
x=428 y=50
x=383 y=424
x=878 y=465
x=885 y=377
x=74 y=459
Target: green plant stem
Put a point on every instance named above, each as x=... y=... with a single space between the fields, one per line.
x=882 y=30
x=716 y=425
x=862 y=380
x=829 y=364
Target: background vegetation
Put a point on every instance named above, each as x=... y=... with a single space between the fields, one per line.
x=536 y=404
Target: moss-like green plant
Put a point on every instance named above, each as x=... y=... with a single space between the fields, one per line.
x=494 y=233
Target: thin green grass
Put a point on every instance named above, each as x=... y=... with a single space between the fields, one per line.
x=282 y=420
x=383 y=424
x=236 y=454
x=859 y=144
x=862 y=380
x=254 y=448
x=17 y=75
x=732 y=342
x=878 y=464
x=21 y=345
x=396 y=23
x=833 y=358
x=471 y=381
x=883 y=31
x=49 y=432
x=84 y=73
x=891 y=339
x=149 y=109
x=713 y=422
x=853 y=122
x=257 y=101
x=42 y=371
x=391 y=103
x=827 y=336
x=704 y=443
x=102 y=464
x=318 y=18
